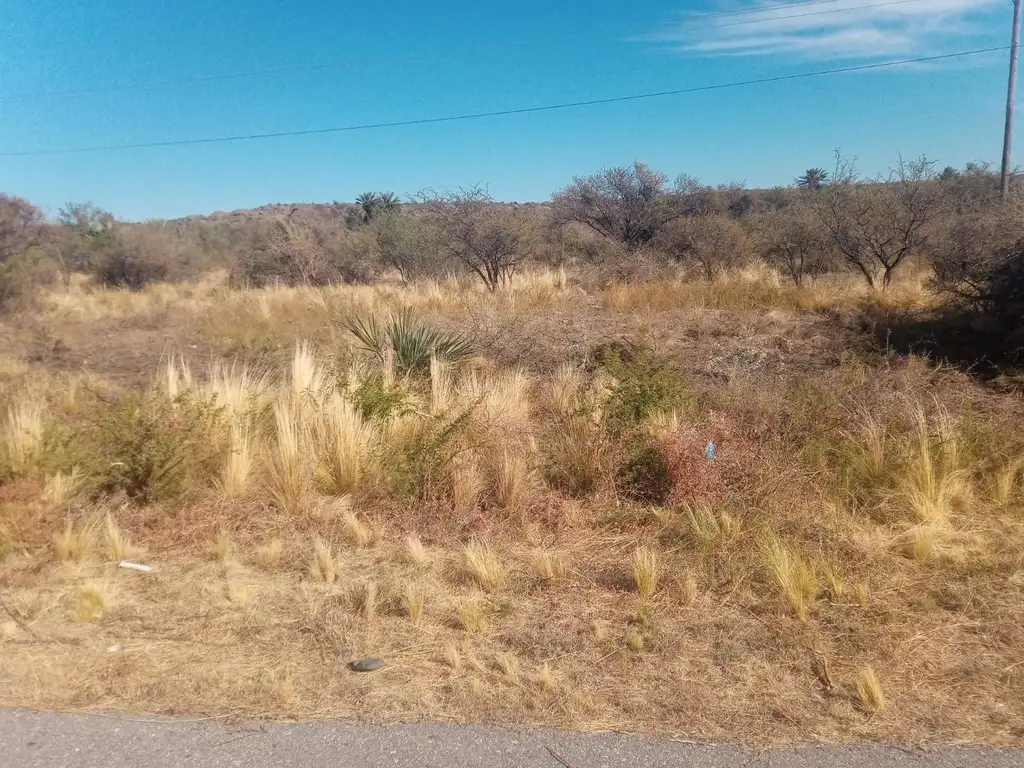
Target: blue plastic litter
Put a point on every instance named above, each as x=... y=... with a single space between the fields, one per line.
x=709 y=451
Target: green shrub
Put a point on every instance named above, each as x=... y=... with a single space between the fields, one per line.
x=153 y=447
x=417 y=455
x=644 y=386
x=409 y=341
x=644 y=474
x=374 y=399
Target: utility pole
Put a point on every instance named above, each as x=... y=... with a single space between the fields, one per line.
x=1011 y=92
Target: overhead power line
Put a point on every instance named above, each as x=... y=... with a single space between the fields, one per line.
x=498 y=113
x=697 y=19
x=813 y=13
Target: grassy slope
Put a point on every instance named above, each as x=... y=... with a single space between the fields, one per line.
x=877 y=498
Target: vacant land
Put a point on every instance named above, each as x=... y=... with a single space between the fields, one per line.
x=706 y=508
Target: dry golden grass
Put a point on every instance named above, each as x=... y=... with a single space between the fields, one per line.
x=545 y=679
x=452 y=657
x=237 y=472
x=415 y=552
x=851 y=458
x=364 y=600
x=688 y=590
x=119 y=546
x=268 y=556
x=862 y=593
x=646 y=572
x=549 y=565
x=237 y=592
x=935 y=483
x=793 y=576
x=483 y=566
x=62 y=488
x=471 y=617
x=635 y=641
x=869 y=691
x=711 y=530
x=222 y=545
x=90 y=602
x=513 y=481
x=1006 y=484
x=73 y=544
x=508 y=665
x=358 y=534
x=414 y=596
x=921 y=542
x=832 y=578
x=342 y=440
x=323 y=566
x=23 y=434
x=467 y=485
x=289 y=479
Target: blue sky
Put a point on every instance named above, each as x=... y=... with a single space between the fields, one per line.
x=64 y=67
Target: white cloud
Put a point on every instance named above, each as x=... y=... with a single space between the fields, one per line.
x=828 y=30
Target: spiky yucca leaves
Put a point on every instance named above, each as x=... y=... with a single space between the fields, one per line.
x=408 y=341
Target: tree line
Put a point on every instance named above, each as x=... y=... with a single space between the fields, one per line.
x=618 y=223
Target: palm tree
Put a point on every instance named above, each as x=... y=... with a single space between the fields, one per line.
x=368 y=203
x=388 y=202
x=813 y=178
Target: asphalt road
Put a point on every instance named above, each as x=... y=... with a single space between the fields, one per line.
x=37 y=739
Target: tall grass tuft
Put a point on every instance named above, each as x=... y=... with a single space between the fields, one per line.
x=72 y=544
x=307 y=374
x=236 y=473
x=323 y=566
x=709 y=530
x=483 y=566
x=415 y=552
x=1007 y=481
x=550 y=566
x=793 y=576
x=355 y=530
x=869 y=691
x=119 y=546
x=288 y=475
x=61 y=488
x=413 y=597
x=467 y=484
x=935 y=481
x=513 y=481
x=23 y=434
x=646 y=572
x=343 y=439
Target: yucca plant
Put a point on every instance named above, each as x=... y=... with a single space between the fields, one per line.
x=409 y=341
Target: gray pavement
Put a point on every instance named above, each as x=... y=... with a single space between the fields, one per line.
x=36 y=739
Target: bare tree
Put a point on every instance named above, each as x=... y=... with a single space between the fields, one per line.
x=877 y=224
x=488 y=237
x=979 y=262
x=22 y=226
x=406 y=244
x=87 y=234
x=793 y=240
x=306 y=249
x=629 y=204
x=712 y=241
